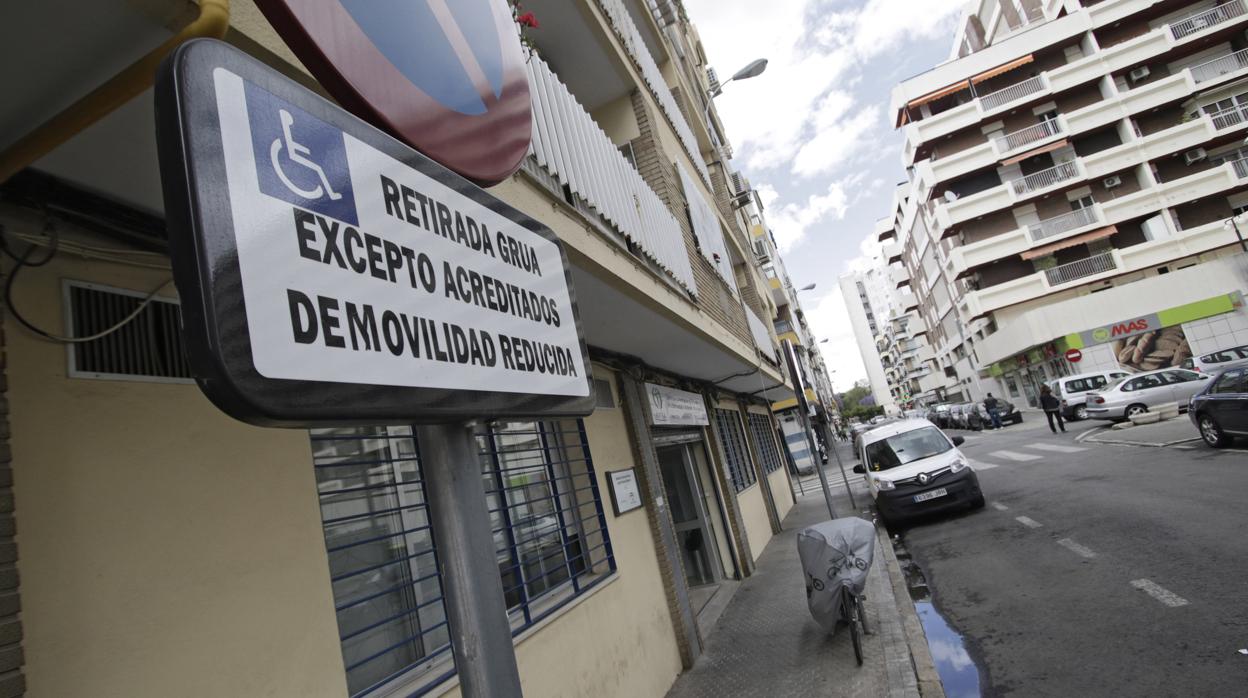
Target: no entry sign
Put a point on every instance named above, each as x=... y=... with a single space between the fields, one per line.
x=330 y=274
x=1074 y=356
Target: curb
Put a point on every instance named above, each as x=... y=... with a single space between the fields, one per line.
x=920 y=656
x=1162 y=444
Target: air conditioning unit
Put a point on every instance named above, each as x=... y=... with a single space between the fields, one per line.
x=1194 y=155
x=1111 y=182
x=1140 y=73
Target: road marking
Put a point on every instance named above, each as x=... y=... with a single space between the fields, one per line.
x=1028 y=522
x=1165 y=596
x=999 y=506
x=1075 y=548
x=981 y=465
x=1056 y=448
x=1011 y=455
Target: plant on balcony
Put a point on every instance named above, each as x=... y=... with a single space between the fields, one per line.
x=1046 y=262
x=525 y=22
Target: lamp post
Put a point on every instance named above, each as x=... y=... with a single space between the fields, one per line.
x=1238 y=235
x=753 y=70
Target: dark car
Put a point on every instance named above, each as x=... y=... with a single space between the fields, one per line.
x=1006 y=410
x=1220 y=410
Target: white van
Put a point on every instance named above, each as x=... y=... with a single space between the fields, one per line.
x=913 y=469
x=1073 y=390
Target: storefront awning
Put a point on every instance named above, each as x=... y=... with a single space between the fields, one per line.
x=1048 y=147
x=1070 y=242
x=1003 y=68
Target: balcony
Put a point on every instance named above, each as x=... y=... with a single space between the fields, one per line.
x=569 y=147
x=1013 y=93
x=1066 y=273
x=1052 y=227
x=1032 y=134
x=1219 y=67
x=1039 y=181
x=899 y=276
x=1200 y=21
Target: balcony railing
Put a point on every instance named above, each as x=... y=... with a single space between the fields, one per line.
x=1241 y=167
x=630 y=36
x=1229 y=117
x=1031 y=134
x=568 y=145
x=1216 y=68
x=1045 y=178
x=1065 y=273
x=1203 y=20
x=1060 y=224
x=992 y=100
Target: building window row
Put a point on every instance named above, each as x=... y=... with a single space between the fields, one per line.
x=736 y=455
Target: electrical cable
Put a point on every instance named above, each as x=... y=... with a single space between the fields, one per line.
x=24 y=261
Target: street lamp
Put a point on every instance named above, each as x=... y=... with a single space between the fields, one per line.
x=753 y=70
x=1233 y=222
x=807 y=287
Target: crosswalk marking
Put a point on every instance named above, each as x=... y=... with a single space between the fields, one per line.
x=999 y=506
x=1015 y=456
x=981 y=465
x=1155 y=590
x=1056 y=448
x=1080 y=550
x=1028 y=521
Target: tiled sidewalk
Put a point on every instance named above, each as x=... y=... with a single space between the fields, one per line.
x=767 y=644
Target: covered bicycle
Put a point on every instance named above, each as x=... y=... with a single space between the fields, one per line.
x=836 y=557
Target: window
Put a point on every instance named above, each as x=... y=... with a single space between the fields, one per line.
x=736 y=457
x=1082 y=202
x=1144 y=382
x=1231 y=382
x=1179 y=376
x=1082 y=385
x=906 y=447
x=550 y=540
x=765 y=437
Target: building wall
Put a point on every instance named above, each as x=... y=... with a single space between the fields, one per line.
x=754 y=514
x=782 y=490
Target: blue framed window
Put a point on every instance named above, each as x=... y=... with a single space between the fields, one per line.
x=550 y=540
x=765 y=437
x=736 y=454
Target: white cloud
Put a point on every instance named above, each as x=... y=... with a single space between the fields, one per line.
x=790 y=222
x=833 y=145
x=829 y=319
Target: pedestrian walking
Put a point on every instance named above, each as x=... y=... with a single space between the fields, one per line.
x=994 y=410
x=1052 y=409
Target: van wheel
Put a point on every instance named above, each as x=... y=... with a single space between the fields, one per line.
x=1135 y=409
x=1081 y=413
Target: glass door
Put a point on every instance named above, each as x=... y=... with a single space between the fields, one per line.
x=693 y=533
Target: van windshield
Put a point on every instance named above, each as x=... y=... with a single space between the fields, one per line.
x=1083 y=385
x=905 y=448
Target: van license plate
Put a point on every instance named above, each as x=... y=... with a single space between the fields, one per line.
x=930 y=495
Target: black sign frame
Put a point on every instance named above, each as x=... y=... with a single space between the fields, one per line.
x=204 y=256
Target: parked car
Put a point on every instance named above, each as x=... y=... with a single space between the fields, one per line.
x=914 y=468
x=1137 y=393
x=940 y=415
x=1006 y=410
x=1220 y=411
x=1073 y=390
x=1223 y=358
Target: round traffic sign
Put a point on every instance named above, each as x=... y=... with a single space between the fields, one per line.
x=1074 y=356
x=447 y=77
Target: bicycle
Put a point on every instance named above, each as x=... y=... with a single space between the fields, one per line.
x=855 y=615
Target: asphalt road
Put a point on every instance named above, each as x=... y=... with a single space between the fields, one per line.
x=1096 y=570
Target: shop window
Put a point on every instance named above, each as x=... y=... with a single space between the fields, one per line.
x=736 y=457
x=765 y=437
x=550 y=540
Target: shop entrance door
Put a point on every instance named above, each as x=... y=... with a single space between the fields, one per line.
x=695 y=532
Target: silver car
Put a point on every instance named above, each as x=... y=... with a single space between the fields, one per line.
x=1137 y=393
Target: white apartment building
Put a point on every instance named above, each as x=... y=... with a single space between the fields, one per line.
x=867 y=326
x=1072 y=170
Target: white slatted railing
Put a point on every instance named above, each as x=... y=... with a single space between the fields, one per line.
x=992 y=100
x=1029 y=135
x=1241 y=167
x=1203 y=20
x=1232 y=116
x=1045 y=178
x=568 y=144
x=627 y=31
x=1065 y=273
x=1216 y=68
x=1066 y=222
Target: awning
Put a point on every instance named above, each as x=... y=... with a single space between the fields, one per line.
x=942 y=92
x=1003 y=68
x=1042 y=149
x=1070 y=242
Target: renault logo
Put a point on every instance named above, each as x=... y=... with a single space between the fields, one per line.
x=923 y=478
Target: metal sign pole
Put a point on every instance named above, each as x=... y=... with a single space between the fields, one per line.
x=803 y=408
x=480 y=631
x=827 y=438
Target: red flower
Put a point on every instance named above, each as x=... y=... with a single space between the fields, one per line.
x=528 y=20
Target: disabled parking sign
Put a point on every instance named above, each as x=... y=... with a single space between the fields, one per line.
x=331 y=275
x=446 y=77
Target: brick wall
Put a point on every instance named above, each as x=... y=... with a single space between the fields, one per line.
x=12 y=679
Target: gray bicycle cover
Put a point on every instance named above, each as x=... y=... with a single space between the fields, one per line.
x=834 y=554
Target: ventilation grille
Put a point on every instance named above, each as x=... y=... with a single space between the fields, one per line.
x=603 y=396
x=149 y=347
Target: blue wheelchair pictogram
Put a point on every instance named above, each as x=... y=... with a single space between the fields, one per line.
x=299 y=158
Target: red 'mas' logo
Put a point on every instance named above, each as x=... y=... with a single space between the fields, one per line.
x=1132 y=327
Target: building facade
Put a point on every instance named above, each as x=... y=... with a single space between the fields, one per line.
x=1072 y=170
x=156 y=547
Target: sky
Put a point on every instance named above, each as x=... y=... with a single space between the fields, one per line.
x=812 y=133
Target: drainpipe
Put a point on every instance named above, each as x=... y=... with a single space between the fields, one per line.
x=212 y=22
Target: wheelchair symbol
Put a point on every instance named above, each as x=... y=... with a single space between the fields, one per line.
x=299 y=155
